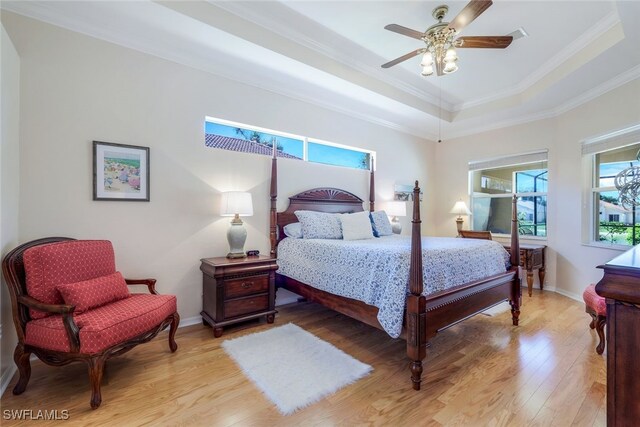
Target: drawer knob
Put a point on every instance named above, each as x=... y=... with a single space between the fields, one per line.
x=247 y=285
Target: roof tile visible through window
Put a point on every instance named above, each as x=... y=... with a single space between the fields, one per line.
x=242 y=145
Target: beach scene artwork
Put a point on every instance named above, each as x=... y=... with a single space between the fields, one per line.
x=121 y=172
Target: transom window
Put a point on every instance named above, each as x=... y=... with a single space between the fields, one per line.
x=493 y=184
x=234 y=136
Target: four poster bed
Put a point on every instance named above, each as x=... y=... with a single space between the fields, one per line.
x=424 y=315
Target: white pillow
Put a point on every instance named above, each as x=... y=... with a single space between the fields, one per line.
x=293 y=230
x=356 y=226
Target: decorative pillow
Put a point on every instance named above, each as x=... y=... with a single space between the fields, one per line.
x=94 y=292
x=381 y=224
x=373 y=226
x=293 y=230
x=319 y=225
x=356 y=226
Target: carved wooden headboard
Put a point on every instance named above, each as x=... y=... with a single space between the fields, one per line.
x=331 y=200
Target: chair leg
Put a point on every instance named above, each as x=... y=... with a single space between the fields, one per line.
x=21 y=358
x=172 y=332
x=592 y=325
x=601 y=321
x=96 y=370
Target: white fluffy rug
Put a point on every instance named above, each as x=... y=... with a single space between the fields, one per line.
x=293 y=367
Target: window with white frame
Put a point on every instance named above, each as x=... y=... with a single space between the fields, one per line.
x=493 y=184
x=234 y=136
x=610 y=222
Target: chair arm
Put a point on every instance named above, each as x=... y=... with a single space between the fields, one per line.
x=151 y=284
x=49 y=308
x=67 y=317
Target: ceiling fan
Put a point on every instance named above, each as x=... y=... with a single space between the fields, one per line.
x=442 y=41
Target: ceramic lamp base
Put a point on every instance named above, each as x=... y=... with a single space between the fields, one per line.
x=459 y=222
x=236 y=235
x=396 y=227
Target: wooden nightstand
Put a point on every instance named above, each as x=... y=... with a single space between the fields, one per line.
x=531 y=258
x=235 y=290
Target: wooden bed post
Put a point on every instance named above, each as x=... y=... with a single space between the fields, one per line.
x=273 y=236
x=416 y=303
x=516 y=291
x=372 y=187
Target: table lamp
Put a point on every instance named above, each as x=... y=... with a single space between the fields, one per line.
x=460 y=208
x=236 y=204
x=394 y=210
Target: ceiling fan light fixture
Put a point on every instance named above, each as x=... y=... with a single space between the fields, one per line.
x=450 y=67
x=427 y=59
x=451 y=55
x=427 y=70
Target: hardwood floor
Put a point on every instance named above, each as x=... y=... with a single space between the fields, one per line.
x=480 y=372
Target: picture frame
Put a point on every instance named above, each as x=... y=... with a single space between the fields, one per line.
x=120 y=172
x=404 y=192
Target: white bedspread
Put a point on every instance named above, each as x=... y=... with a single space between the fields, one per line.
x=376 y=271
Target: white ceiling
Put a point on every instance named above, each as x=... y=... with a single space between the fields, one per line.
x=330 y=52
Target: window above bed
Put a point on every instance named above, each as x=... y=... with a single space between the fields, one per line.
x=227 y=135
x=494 y=182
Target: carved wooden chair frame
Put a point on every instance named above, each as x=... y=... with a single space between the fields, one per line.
x=21 y=302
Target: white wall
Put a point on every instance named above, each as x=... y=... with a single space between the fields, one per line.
x=76 y=89
x=9 y=187
x=570 y=265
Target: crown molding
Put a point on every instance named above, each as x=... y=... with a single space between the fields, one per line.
x=614 y=83
x=348 y=59
x=598 y=30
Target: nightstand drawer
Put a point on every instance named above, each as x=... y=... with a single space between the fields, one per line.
x=238 y=307
x=246 y=286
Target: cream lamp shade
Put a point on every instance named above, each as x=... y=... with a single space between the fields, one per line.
x=460 y=208
x=396 y=208
x=236 y=204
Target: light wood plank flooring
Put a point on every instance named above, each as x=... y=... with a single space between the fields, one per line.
x=480 y=372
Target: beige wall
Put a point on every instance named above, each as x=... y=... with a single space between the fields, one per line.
x=9 y=187
x=571 y=265
x=76 y=89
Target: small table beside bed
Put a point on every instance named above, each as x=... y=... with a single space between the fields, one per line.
x=412 y=287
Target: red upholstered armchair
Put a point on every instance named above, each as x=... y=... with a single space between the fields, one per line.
x=69 y=304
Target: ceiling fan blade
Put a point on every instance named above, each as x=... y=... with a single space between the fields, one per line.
x=470 y=12
x=404 y=31
x=484 y=42
x=403 y=58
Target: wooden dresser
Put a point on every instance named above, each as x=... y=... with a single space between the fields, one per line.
x=621 y=287
x=235 y=290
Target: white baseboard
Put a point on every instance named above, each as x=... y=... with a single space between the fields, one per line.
x=6 y=377
x=570 y=295
x=190 y=321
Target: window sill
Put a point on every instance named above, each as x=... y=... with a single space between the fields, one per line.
x=599 y=245
x=521 y=237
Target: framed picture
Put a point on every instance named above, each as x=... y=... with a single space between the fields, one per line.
x=120 y=172
x=404 y=192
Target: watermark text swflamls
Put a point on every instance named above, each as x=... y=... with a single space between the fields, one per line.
x=39 y=414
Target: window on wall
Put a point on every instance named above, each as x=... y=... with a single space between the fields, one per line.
x=234 y=136
x=493 y=184
x=612 y=223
